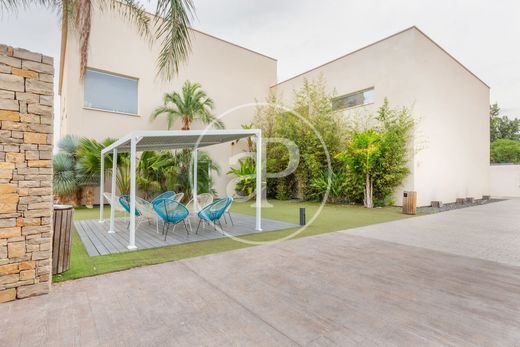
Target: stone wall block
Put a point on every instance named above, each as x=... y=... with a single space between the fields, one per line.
x=27 y=55
x=39 y=87
x=38 y=67
x=26 y=133
x=11 y=83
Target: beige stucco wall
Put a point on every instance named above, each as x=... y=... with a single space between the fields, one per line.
x=450 y=155
x=504 y=180
x=230 y=74
x=454 y=109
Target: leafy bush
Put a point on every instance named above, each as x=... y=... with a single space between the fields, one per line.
x=501 y=127
x=377 y=157
x=339 y=183
x=311 y=115
x=505 y=151
x=246 y=173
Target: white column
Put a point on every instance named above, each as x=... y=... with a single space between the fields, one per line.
x=131 y=244
x=195 y=157
x=101 y=188
x=259 y=180
x=113 y=201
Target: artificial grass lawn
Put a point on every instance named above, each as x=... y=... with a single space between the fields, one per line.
x=332 y=218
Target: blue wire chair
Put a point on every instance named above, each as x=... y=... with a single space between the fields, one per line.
x=214 y=211
x=172 y=213
x=165 y=195
x=124 y=200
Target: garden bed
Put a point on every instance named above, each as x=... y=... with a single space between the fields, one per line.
x=455 y=205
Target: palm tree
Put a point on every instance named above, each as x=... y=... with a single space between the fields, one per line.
x=169 y=25
x=89 y=164
x=192 y=103
x=184 y=179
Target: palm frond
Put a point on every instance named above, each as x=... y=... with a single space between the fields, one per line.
x=69 y=144
x=131 y=10
x=14 y=5
x=172 y=24
x=64 y=178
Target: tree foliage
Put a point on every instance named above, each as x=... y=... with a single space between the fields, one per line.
x=246 y=174
x=310 y=123
x=170 y=25
x=502 y=127
x=190 y=104
x=78 y=164
x=376 y=157
x=505 y=151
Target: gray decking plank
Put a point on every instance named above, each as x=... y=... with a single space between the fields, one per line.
x=89 y=246
x=98 y=242
x=101 y=248
x=103 y=236
x=87 y=234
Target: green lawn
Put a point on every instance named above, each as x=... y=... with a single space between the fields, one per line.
x=332 y=218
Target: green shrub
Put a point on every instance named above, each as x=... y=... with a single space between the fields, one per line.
x=505 y=151
x=311 y=109
x=246 y=174
x=376 y=158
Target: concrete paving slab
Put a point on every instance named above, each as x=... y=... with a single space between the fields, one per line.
x=490 y=232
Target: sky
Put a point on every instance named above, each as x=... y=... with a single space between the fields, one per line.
x=482 y=34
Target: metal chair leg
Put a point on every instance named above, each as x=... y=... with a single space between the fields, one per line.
x=167 y=229
x=221 y=228
x=198 y=226
x=231 y=219
x=186 y=226
x=225 y=220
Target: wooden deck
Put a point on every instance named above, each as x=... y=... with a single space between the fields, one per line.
x=98 y=241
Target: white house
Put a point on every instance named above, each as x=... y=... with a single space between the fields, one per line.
x=451 y=103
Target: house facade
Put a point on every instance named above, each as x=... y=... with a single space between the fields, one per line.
x=450 y=156
x=450 y=150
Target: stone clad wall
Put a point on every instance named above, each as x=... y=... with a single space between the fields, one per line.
x=26 y=132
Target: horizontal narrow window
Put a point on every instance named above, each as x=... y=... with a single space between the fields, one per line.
x=110 y=92
x=363 y=97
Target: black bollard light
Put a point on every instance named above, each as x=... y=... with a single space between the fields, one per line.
x=302 y=216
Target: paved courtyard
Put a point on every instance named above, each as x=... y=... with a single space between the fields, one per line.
x=490 y=232
x=344 y=288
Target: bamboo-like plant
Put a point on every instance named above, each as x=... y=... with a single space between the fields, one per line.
x=190 y=104
x=169 y=25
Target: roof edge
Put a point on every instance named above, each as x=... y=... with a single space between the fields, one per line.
x=449 y=55
x=413 y=27
x=64 y=34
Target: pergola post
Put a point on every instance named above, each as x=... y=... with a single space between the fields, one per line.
x=259 y=180
x=113 y=201
x=101 y=188
x=133 y=142
x=195 y=177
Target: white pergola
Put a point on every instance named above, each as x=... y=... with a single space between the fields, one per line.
x=177 y=139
